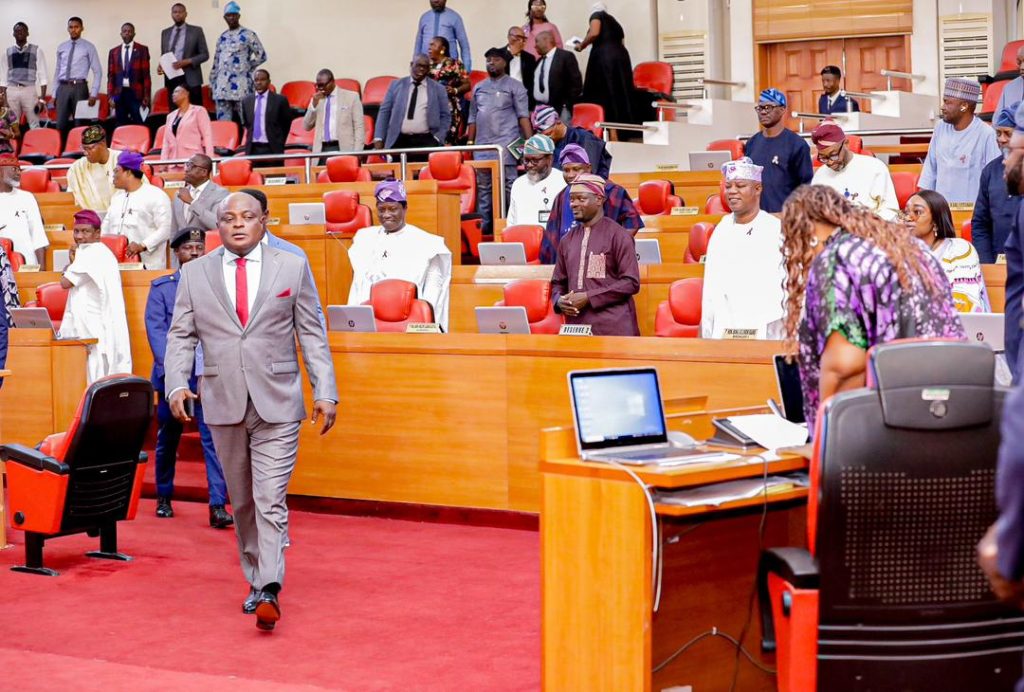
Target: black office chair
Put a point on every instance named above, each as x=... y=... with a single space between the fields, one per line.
x=891 y=597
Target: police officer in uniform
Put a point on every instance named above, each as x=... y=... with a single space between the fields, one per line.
x=188 y=244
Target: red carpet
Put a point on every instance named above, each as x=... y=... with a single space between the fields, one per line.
x=369 y=604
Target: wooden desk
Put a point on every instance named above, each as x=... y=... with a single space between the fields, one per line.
x=597 y=627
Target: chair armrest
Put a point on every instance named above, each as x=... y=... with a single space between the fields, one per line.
x=32 y=458
x=798 y=567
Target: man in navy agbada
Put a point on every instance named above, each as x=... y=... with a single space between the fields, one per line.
x=188 y=244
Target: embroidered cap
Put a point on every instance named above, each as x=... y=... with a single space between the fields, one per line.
x=742 y=169
x=773 y=96
x=962 y=88
x=588 y=182
x=94 y=134
x=391 y=191
x=543 y=117
x=827 y=134
x=188 y=234
x=87 y=217
x=574 y=153
x=232 y=8
x=539 y=145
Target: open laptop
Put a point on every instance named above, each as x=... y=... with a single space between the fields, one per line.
x=648 y=251
x=709 y=160
x=32 y=318
x=502 y=253
x=985 y=327
x=351 y=318
x=502 y=320
x=618 y=417
x=307 y=214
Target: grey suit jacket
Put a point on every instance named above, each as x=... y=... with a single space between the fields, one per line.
x=348 y=126
x=260 y=361
x=195 y=49
x=202 y=212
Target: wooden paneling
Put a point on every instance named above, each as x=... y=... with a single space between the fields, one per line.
x=783 y=20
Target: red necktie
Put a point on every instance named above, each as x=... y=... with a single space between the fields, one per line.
x=241 y=291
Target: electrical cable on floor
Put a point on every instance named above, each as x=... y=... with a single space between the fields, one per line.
x=713 y=632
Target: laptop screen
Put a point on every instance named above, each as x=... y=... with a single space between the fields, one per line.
x=617 y=408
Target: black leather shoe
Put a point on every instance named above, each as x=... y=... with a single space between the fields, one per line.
x=249 y=606
x=219 y=517
x=163 y=508
x=268 y=612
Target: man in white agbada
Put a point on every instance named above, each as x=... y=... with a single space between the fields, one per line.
x=863 y=180
x=534 y=193
x=140 y=211
x=744 y=270
x=95 y=307
x=396 y=250
x=20 y=220
x=91 y=178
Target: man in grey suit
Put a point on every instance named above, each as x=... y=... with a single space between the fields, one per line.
x=188 y=43
x=415 y=112
x=245 y=304
x=196 y=203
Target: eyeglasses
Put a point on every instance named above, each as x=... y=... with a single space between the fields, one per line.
x=529 y=161
x=828 y=158
x=766 y=107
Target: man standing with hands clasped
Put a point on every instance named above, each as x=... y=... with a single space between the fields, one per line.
x=246 y=303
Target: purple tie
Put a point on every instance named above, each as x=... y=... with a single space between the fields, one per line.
x=327 y=121
x=257 y=127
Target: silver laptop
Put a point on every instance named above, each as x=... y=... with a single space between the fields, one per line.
x=985 y=327
x=709 y=160
x=32 y=318
x=502 y=253
x=618 y=417
x=502 y=320
x=307 y=214
x=648 y=251
x=351 y=318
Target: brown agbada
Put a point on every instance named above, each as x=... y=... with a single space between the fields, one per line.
x=601 y=262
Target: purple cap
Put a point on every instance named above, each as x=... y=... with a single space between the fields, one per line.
x=87 y=217
x=130 y=160
x=574 y=153
x=390 y=191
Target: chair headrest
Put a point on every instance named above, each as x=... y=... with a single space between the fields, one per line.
x=933 y=385
x=235 y=172
x=653 y=194
x=684 y=299
x=445 y=165
x=342 y=169
x=392 y=299
x=532 y=294
x=341 y=206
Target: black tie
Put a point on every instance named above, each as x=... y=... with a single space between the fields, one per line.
x=412 y=100
x=124 y=62
x=173 y=48
x=540 y=69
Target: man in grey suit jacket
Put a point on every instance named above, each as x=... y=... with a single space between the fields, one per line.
x=196 y=202
x=335 y=116
x=188 y=43
x=245 y=304
x=407 y=122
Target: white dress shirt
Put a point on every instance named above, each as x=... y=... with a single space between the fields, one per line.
x=195 y=192
x=515 y=68
x=253 y=271
x=21 y=221
x=543 y=67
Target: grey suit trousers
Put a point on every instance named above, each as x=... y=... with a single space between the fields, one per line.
x=258 y=459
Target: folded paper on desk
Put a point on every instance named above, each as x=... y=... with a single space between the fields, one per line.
x=720 y=493
x=769 y=430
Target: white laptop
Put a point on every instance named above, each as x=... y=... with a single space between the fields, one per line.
x=648 y=251
x=307 y=214
x=985 y=327
x=709 y=160
x=351 y=318
x=618 y=417
x=502 y=253
x=32 y=318
x=502 y=320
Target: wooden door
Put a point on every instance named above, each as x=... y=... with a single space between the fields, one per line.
x=866 y=56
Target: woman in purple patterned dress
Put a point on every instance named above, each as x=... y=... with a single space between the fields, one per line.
x=854 y=281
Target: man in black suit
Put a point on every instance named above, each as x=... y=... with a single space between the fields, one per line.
x=188 y=43
x=523 y=64
x=266 y=117
x=557 y=81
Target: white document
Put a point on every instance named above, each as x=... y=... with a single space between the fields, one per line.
x=167 y=61
x=719 y=493
x=573 y=42
x=83 y=111
x=770 y=431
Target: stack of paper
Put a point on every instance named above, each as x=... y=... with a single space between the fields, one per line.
x=770 y=431
x=720 y=493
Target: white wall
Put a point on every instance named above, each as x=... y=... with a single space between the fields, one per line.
x=355 y=38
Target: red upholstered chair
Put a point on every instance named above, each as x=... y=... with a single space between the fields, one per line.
x=152 y=177
x=375 y=89
x=298 y=136
x=37 y=181
x=475 y=77
x=1008 y=63
x=133 y=137
x=990 y=99
x=718 y=204
x=733 y=146
x=299 y=94
x=349 y=85
x=40 y=145
x=344 y=213
x=535 y=296
x=965 y=231
x=161 y=103
x=158 y=140
x=73 y=147
x=887 y=594
x=905 y=183
x=679 y=316
x=212 y=241
x=657 y=197
x=530 y=236
x=368 y=135
x=16 y=258
x=86 y=479
x=117 y=244
x=343 y=169
x=697 y=244
x=855 y=143
x=587 y=115
x=208 y=102
x=54 y=298
x=654 y=76
x=451 y=173
x=395 y=305
x=237 y=172
x=225 y=137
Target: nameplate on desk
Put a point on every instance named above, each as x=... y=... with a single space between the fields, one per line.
x=740 y=334
x=274 y=221
x=29 y=268
x=53 y=227
x=961 y=206
x=684 y=211
x=575 y=330
x=1001 y=258
x=666 y=166
x=423 y=328
x=130 y=266
x=173 y=184
x=276 y=181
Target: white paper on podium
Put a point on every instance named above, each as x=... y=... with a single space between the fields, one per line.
x=167 y=61
x=83 y=111
x=770 y=431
